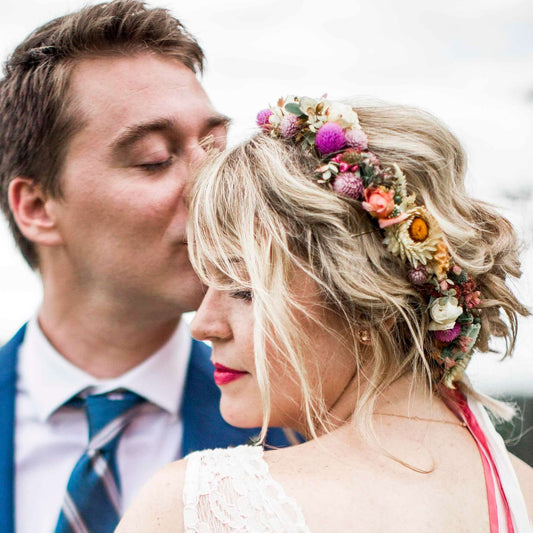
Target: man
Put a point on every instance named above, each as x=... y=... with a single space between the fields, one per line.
x=101 y=120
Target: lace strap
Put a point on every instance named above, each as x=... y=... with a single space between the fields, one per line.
x=231 y=490
x=191 y=493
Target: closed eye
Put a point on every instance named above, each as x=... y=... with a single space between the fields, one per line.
x=158 y=165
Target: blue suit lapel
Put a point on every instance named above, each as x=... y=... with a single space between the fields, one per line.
x=8 y=380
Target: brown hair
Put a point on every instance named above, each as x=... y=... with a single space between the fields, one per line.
x=35 y=116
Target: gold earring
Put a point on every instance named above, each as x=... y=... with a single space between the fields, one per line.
x=364 y=336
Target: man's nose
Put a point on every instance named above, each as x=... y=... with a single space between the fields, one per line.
x=210 y=321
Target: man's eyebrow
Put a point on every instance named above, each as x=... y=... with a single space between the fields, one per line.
x=218 y=120
x=136 y=132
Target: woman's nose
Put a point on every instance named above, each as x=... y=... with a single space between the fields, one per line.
x=210 y=321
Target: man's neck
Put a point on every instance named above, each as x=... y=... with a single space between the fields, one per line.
x=103 y=341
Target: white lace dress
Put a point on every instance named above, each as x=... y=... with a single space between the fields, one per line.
x=231 y=490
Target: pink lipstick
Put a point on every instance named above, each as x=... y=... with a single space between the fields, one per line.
x=224 y=375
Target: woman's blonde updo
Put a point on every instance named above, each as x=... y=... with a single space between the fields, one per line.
x=257 y=217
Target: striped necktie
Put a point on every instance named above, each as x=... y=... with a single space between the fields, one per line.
x=92 y=503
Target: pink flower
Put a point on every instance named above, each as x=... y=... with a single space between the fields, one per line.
x=448 y=335
x=464 y=343
x=263 y=119
x=418 y=275
x=356 y=139
x=472 y=299
x=289 y=126
x=343 y=166
x=330 y=138
x=379 y=202
x=449 y=362
x=386 y=222
x=373 y=159
x=349 y=184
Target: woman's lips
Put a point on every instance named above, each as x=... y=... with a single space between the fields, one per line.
x=224 y=375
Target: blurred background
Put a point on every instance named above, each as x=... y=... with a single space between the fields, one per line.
x=470 y=62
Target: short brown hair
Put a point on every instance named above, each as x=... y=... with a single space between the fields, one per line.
x=35 y=124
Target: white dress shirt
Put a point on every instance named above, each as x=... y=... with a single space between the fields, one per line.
x=50 y=439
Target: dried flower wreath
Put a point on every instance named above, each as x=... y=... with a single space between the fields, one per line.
x=332 y=131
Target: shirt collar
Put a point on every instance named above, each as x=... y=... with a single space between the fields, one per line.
x=51 y=380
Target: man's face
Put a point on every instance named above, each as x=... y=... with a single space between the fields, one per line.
x=122 y=217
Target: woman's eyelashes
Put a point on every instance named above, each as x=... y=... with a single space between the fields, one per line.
x=245 y=295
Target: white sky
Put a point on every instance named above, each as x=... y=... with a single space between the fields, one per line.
x=470 y=62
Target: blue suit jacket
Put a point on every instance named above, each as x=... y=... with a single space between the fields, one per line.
x=203 y=427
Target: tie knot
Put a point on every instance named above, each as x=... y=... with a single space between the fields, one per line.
x=109 y=411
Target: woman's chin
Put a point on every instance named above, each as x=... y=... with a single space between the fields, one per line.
x=240 y=416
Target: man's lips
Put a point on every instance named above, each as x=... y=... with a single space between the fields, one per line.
x=224 y=375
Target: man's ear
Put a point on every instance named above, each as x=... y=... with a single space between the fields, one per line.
x=32 y=212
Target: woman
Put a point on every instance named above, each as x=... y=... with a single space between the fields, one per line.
x=350 y=280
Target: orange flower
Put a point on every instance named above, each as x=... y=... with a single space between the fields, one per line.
x=418 y=230
x=379 y=202
x=442 y=260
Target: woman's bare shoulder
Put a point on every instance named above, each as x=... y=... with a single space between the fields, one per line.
x=524 y=473
x=158 y=506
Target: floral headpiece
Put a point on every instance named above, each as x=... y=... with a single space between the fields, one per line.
x=332 y=131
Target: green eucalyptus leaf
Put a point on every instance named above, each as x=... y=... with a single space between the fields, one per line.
x=294 y=109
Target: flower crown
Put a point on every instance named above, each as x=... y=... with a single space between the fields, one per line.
x=331 y=130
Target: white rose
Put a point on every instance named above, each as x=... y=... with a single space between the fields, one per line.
x=444 y=312
x=343 y=114
x=308 y=105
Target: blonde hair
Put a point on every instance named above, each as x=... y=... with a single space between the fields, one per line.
x=257 y=217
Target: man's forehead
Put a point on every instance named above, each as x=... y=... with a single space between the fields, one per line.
x=133 y=95
x=136 y=82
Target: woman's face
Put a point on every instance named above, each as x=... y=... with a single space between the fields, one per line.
x=226 y=319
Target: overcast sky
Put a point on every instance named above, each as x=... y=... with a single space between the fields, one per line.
x=470 y=62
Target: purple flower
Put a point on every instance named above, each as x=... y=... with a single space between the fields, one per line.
x=349 y=184
x=357 y=139
x=448 y=335
x=418 y=275
x=330 y=138
x=263 y=119
x=289 y=126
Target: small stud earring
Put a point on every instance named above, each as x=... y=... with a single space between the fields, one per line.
x=364 y=336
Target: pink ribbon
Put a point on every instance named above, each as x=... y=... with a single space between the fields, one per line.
x=455 y=400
